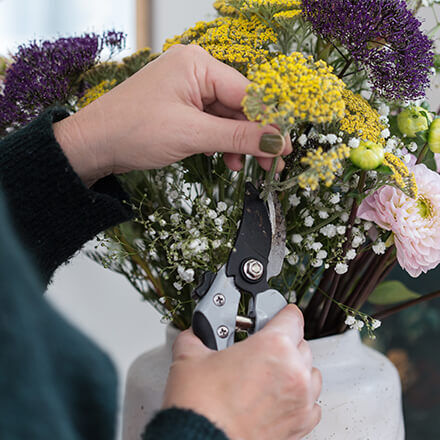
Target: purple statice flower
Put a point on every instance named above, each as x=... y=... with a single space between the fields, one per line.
x=382 y=35
x=43 y=74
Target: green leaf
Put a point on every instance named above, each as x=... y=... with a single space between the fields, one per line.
x=349 y=172
x=383 y=169
x=391 y=292
x=429 y=160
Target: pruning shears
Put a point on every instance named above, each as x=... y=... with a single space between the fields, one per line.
x=257 y=256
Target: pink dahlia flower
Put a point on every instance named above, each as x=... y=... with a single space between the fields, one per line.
x=414 y=223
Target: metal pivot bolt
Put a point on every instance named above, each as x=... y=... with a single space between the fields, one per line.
x=223 y=331
x=219 y=299
x=253 y=269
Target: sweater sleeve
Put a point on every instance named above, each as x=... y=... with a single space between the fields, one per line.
x=182 y=424
x=54 y=212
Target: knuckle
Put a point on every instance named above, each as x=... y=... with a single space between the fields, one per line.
x=296 y=313
x=279 y=343
x=239 y=139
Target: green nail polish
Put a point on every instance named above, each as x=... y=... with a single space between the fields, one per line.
x=271 y=143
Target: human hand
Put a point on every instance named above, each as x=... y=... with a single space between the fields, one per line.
x=263 y=388
x=183 y=103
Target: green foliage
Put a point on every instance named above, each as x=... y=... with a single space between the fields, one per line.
x=391 y=292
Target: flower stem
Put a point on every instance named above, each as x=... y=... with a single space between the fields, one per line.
x=391 y=311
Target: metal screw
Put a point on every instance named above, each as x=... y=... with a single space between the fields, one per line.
x=219 y=300
x=223 y=331
x=253 y=269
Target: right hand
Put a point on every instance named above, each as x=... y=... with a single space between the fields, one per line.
x=263 y=388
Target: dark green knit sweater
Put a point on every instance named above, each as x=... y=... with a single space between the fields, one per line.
x=55 y=384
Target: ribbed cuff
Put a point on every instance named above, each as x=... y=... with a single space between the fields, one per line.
x=53 y=211
x=182 y=424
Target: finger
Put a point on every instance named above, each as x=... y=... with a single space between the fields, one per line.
x=212 y=133
x=233 y=161
x=266 y=163
x=289 y=321
x=220 y=82
x=306 y=353
x=316 y=384
x=219 y=109
x=188 y=345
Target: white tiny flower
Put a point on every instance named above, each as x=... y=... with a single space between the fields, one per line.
x=341 y=230
x=188 y=224
x=341 y=268
x=335 y=198
x=211 y=213
x=221 y=206
x=216 y=244
x=383 y=109
x=379 y=248
x=368 y=226
x=316 y=262
x=344 y=217
x=175 y=218
x=358 y=325
x=328 y=231
x=357 y=241
x=322 y=138
x=354 y=142
x=321 y=255
x=323 y=214
x=162 y=222
x=302 y=140
x=350 y=320
x=412 y=147
x=152 y=218
x=164 y=235
x=385 y=133
x=220 y=220
x=392 y=143
x=296 y=238
x=331 y=139
x=178 y=285
x=316 y=246
x=162 y=299
x=407 y=158
x=206 y=201
x=293 y=259
x=294 y=200
x=351 y=254
x=308 y=221
x=375 y=324
x=187 y=275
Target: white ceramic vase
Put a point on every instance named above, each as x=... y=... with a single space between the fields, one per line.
x=360 y=399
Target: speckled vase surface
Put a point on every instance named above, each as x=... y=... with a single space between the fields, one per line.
x=360 y=399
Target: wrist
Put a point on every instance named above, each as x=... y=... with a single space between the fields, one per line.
x=78 y=137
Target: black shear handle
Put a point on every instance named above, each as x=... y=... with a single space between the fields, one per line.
x=203 y=330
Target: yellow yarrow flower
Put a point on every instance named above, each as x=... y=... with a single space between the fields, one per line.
x=236 y=41
x=291 y=89
x=94 y=93
x=403 y=178
x=225 y=9
x=360 y=118
x=285 y=19
x=322 y=166
x=265 y=8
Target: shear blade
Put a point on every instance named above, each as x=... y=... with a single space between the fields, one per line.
x=278 y=246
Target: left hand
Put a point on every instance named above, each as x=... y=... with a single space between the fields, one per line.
x=183 y=103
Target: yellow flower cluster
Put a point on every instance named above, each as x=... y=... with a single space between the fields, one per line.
x=360 y=118
x=286 y=18
x=223 y=8
x=236 y=41
x=94 y=93
x=322 y=166
x=290 y=89
x=404 y=179
x=265 y=8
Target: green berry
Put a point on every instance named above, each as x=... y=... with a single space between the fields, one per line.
x=368 y=155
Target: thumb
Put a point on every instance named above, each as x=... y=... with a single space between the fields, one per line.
x=237 y=136
x=289 y=321
x=189 y=346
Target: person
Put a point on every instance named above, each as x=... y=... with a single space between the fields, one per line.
x=57 y=178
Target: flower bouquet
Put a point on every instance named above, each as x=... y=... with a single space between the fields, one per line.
x=345 y=79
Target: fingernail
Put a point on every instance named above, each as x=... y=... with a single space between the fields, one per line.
x=271 y=143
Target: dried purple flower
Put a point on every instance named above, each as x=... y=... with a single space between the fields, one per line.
x=382 y=35
x=44 y=73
